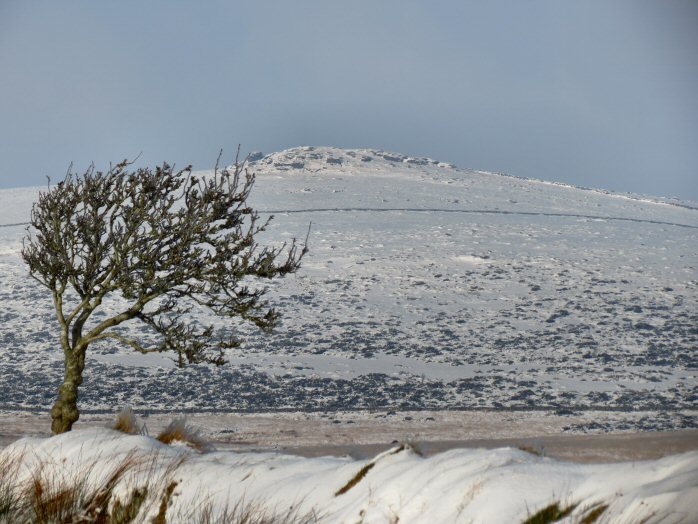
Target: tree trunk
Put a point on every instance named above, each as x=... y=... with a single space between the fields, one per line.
x=65 y=411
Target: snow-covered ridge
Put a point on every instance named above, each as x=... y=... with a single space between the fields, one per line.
x=326 y=178
x=323 y=159
x=669 y=201
x=321 y=169
x=316 y=158
x=463 y=485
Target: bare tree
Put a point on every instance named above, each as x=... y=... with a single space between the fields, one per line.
x=165 y=244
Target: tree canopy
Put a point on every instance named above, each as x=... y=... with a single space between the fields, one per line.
x=167 y=243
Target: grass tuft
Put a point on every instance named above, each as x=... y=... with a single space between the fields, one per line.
x=126 y=513
x=254 y=513
x=594 y=514
x=534 y=447
x=164 y=503
x=355 y=479
x=50 y=496
x=364 y=471
x=136 y=490
x=126 y=422
x=550 y=513
x=9 y=468
x=179 y=431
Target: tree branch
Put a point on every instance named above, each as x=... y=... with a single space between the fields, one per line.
x=130 y=342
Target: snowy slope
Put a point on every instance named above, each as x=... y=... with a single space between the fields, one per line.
x=426 y=286
x=495 y=486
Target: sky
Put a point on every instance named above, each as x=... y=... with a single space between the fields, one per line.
x=595 y=93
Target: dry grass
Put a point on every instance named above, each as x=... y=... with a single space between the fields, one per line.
x=136 y=490
x=364 y=470
x=48 y=495
x=126 y=422
x=593 y=514
x=533 y=449
x=355 y=479
x=253 y=513
x=550 y=513
x=141 y=488
x=125 y=512
x=10 y=465
x=161 y=517
x=179 y=431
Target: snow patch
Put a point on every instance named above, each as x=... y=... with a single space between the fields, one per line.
x=471 y=259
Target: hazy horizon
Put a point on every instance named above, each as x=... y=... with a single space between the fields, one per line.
x=594 y=94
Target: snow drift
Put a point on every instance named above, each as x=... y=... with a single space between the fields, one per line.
x=503 y=485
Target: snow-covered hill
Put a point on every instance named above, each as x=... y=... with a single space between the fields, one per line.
x=426 y=286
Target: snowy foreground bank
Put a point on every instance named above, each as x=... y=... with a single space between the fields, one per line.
x=139 y=479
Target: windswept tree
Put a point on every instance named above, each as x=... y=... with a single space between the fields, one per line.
x=159 y=246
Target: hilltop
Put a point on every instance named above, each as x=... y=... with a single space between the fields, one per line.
x=427 y=287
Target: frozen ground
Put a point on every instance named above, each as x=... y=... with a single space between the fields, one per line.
x=426 y=287
x=465 y=485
